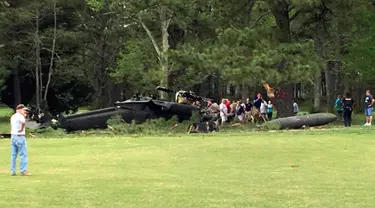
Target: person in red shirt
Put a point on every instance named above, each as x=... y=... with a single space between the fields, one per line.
x=227 y=103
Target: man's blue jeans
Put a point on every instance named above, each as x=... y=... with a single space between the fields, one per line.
x=19 y=147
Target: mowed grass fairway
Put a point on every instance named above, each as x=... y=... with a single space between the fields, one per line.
x=290 y=169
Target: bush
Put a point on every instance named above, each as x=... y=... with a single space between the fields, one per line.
x=159 y=126
x=48 y=132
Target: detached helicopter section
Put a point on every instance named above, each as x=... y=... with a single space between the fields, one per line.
x=138 y=109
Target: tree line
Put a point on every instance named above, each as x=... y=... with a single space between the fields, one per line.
x=59 y=55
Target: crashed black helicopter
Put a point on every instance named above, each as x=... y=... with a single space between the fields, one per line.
x=138 y=109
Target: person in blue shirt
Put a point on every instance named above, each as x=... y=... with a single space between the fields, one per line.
x=269 y=110
x=339 y=108
x=258 y=101
x=369 y=101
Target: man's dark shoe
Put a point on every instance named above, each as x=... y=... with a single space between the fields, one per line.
x=13 y=174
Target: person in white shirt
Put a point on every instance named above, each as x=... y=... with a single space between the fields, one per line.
x=295 y=108
x=18 y=139
x=223 y=111
x=263 y=108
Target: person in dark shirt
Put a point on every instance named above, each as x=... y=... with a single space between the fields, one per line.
x=258 y=101
x=368 y=107
x=240 y=111
x=248 y=105
x=348 y=105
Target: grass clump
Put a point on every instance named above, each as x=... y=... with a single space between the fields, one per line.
x=159 y=126
x=271 y=126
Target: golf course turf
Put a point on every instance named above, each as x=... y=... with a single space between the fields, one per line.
x=290 y=169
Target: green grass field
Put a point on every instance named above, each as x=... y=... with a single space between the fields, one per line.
x=320 y=168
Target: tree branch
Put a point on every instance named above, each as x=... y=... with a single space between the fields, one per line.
x=38 y=61
x=52 y=52
x=56 y=54
x=311 y=81
x=150 y=36
x=295 y=15
x=260 y=18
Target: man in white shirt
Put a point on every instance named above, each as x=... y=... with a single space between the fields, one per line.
x=18 y=139
x=223 y=111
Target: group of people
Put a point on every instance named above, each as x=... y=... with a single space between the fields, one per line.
x=345 y=105
x=243 y=111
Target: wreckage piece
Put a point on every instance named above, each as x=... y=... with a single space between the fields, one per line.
x=138 y=110
x=89 y=120
x=158 y=108
x=186 y=97
x=298 y=122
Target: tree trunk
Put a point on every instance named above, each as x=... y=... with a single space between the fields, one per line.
x=280 y=11
x=101 y=73
x=40 y=97
x=164 y=20
x=163 y=53
x=328 y=77
x=283 y=101
x=346 y=84
x=284 y=95
x=38 y=63
x=16 y=86
x=52 y=55
x=339 y=44
x=244 y=91
x=337 y=78
x=218 y=88
x=317 y=91
x=318 y=75
x=237 y=91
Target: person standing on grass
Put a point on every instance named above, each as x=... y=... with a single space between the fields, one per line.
x=263 y=110
x=269 y=110
x=248 y=105
x=348 y=105
x=258 y=100
x=295 y=108
x=18 y=140
x=223 y=111
x=339 y=107
x=369 y=101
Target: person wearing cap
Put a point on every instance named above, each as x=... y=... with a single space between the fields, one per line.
x=18 y=140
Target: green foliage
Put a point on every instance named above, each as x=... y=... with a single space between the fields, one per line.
x=103 y=50
x=138 y=67
x=360 y=60
x=95 y=5
x=150 y=127
x=251 y=55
